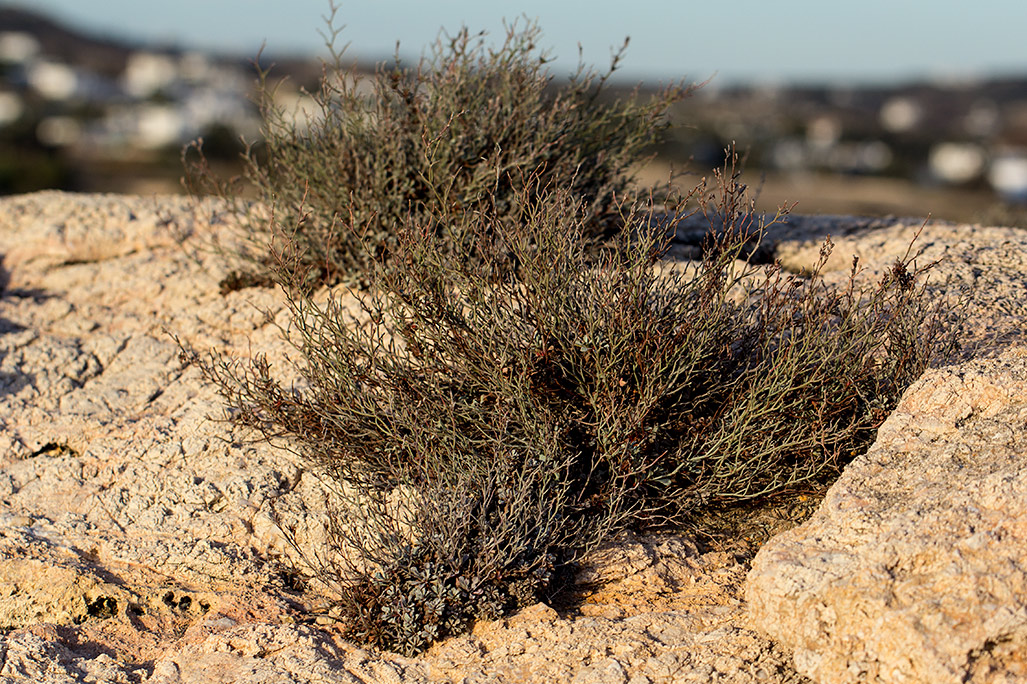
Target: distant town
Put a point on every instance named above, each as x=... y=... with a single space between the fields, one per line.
x=970 y=134
x=86 y=113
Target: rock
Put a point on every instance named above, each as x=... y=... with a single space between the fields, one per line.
x=912 y=570
x=658 y=616
x=136 y=543
x=136 y=536
x=985 y=262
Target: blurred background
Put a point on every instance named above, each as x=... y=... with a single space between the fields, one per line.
x=881 y=108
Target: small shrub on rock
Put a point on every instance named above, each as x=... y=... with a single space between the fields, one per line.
x=482 y=427
x=527 y=373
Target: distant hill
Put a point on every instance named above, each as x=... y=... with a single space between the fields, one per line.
x=108 y=55
x=102 y=55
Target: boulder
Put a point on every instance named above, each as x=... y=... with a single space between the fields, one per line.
x=137 y=541
x=912 y=569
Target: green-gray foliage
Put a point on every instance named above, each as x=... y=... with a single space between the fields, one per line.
x=522 y=418
x=527 y=374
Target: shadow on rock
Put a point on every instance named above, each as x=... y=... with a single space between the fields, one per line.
x=692 y=233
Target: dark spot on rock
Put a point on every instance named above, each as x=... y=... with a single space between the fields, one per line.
x=181 y=603
x=239 y=280
x=102 y=607
x=293 y=581
x=54 y=449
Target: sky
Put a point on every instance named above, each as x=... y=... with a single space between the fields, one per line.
x=763 y=41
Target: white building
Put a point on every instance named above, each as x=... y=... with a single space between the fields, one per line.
x=955 y=163
x=52 y=80
x=1008 y=175
x=18 y=47
x=11 y=108
x=900 y=114
x=147 y=73
x=159 y=126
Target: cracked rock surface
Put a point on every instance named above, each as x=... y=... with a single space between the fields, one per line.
x=914 y=567
x=135 y=537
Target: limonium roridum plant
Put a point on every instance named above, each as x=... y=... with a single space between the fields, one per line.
x=527 y=372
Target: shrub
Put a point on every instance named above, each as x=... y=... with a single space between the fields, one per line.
x=434 y=144
x=527 y=373
x=481 y=428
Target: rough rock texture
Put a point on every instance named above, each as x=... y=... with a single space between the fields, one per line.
x=135 y=540
x=135 y=537
x=980 y=269
x=915 y=567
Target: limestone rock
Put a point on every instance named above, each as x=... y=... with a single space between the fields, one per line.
x=913 y=568
x=981 y=270
x=137 y=545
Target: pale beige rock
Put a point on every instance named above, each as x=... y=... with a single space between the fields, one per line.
x=136 y=542
x=664 y=614
x=135 y=537
x=987 y=263
x=913 y=568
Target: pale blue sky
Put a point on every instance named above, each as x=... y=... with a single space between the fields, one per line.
x=762 y=40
